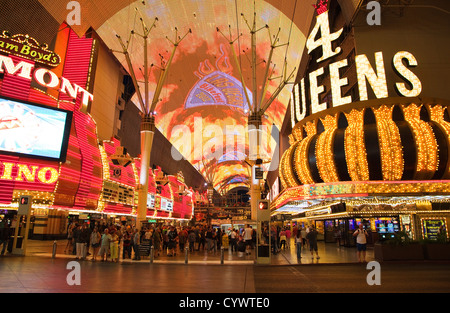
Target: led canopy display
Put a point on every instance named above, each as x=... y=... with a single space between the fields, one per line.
x=203 y=107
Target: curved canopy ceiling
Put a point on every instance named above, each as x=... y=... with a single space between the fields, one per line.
x=202 y=108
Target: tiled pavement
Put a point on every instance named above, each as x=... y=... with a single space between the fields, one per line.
x=329 y=253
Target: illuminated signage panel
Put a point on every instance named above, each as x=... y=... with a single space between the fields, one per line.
x=366 y=73
x=27 y=47
x=32 y=130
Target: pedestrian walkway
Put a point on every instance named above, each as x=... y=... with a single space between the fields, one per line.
x=329 y=254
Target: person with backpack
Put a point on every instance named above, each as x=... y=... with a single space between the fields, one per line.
x=311 y=236
x=361 y=242
x=172 y=244
x=191 y=239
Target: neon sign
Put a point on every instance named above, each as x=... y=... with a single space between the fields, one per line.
x=27 y=47
x=364 y=72
x=45 y=78
x=31 y=130
x=29 y=173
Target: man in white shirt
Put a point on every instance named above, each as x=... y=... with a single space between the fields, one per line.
x=248 y=231
x=361 y=242
x=233 y=240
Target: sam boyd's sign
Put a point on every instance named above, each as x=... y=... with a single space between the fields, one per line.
x=27 y=47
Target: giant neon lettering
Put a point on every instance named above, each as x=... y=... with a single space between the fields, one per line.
x=45 y=78
x=29 y=173
x=365 y=72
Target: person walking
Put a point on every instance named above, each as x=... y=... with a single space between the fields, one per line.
x=126 y=244
x=69 y=244
x=209 y=239
x=288 y=237
x=191 y=240
x=197 y=237
x=298 y=244
x=182 y=239
x=303 y=235
x=95 y=243
x=5 y=234
x=82 y=242
x=225 y=240
x=219 y=238
x=283 y=239
x=202 y=240
x=172 y=245
x=104 y=246
x=114 y=246
x=76 y=233
x=233 y=240
x=311 y=236
x=337 y=235
x=273 y=239
x=361 y=242
x=248 y=232
x=214 y=241
x=136 y=244
x=157 y=241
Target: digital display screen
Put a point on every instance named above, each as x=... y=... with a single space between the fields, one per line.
x=204 y=106
x=387 y=225
x=150 y=201
x=166 y=205
x=431 y=228
x=33 y=130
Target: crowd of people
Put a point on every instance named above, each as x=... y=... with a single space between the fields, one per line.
x=304 y=237
x=103 y=241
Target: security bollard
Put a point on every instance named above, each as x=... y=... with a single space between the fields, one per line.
x=151 y=254
x=186 y=252
x=221 y=254
x=55 y=245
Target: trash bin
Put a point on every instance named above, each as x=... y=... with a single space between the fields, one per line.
x=241 y=248
x=11 y=242
x=263 y=251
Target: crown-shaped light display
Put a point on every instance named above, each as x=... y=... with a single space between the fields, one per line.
x=321 y=7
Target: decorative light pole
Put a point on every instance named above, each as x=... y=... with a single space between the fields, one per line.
x=147 y=109
x=258 y=106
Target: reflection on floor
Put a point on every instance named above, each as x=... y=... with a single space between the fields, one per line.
x=328 y=253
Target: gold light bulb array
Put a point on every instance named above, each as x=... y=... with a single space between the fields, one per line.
x=427 y=151
x=324 y=150
x=390 y=144
x=301 y=155
x=355 y=148
x=437 y=116
x=287 y=178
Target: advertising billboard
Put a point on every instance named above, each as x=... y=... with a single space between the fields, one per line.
x=33 y=130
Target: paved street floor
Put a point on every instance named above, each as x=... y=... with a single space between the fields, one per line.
x=284 y=284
